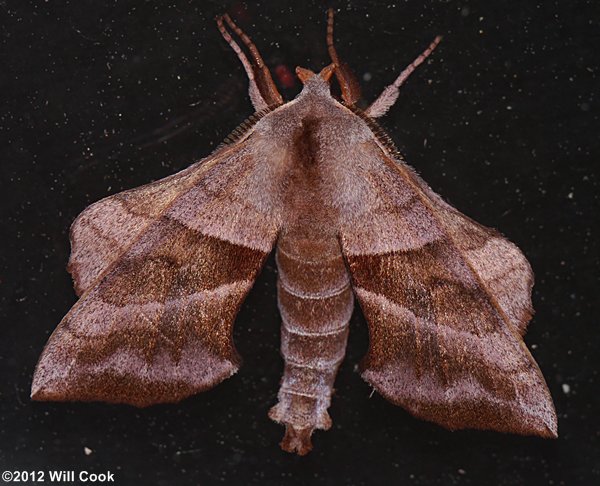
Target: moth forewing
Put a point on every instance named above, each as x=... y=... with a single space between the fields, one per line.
x=156 y=323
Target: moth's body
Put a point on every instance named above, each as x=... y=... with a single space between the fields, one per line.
x=314 y=293
x=315 y=302
x=163 y=269
x=309 y=181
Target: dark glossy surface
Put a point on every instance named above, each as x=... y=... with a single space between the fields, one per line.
x=503 y=122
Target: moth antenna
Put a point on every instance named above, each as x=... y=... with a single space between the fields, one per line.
x=390 y=94
x=264 y=80
x=255 y=96
x=330 y=47
x=346 y=79
x=246 y=40
x=381 y=135
x=241 y=130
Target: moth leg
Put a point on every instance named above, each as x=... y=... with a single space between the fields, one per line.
x=390 y=94
x=263 y=91
x=346 y=78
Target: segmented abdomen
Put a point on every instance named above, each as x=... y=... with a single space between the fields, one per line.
x=316 y=302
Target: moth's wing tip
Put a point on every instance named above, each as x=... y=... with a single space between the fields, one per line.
x=548 y=429
x=551 y=432
x=41 y=395
x=36 y=393
x=43 y=389
x=41 y=392
x=543 y=422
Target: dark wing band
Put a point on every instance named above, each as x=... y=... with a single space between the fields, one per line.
x=163 y=270
x=447 y=301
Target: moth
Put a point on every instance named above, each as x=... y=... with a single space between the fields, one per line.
x=161 y=272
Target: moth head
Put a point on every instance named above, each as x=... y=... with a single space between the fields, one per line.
x=315 y=82
x=305 y=74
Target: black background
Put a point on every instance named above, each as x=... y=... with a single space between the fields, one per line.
x=98 y=97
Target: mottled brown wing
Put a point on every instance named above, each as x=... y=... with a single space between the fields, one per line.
x=447 y=301
x=163 y=270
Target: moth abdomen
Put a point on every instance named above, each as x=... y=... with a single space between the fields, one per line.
x=316 y=302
